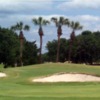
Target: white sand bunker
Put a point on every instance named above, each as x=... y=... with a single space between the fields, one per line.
x=2 y=74
x=68 y=78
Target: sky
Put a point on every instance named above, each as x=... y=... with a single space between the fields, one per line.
x=86 y=12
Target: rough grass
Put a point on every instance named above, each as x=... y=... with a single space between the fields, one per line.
x=18 y=85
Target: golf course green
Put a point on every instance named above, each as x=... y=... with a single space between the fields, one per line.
x=18 y=85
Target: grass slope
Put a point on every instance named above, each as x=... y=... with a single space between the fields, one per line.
x=18 y=85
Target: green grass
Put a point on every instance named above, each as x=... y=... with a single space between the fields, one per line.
x=1 y=67
x=18 y=83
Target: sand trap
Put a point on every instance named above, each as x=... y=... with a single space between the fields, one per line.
x=2 y=74
x=68 y=78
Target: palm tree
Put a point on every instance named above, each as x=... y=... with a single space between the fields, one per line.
x=40 y=22
x=20 y=27
x=59 y=23
x=74 y=26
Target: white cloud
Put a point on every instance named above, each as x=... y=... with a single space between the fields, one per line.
x=80 y=4
x=85 y=18
x=24 y=5
x=88 y=21
x=89 y=18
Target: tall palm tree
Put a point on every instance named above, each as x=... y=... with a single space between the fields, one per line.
x=74 y=26
x=59 y=23
x=40 y=22
x=20 y=27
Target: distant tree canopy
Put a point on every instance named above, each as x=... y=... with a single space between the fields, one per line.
x=85 y=49
x=52 y=49
x=30 y=53
x=10 y=46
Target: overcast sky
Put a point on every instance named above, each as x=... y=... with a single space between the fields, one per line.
x=87 y=12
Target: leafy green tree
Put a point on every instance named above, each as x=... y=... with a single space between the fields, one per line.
x=63 y=50
x=45 y=57
x=59 y=23
x=9 y=47
x=51 y=45
x=30 y=53
x=75 y=26
x=86 y=48
x=96 y=47
x=40 y=22
x=20 y=27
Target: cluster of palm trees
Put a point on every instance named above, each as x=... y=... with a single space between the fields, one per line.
x=40 y=21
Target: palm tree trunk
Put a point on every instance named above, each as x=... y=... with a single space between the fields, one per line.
x=70 y=51
x=58 y=49
x=40 y=58
x=21 y=52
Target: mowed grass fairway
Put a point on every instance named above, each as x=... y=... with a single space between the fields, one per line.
x=18 y=84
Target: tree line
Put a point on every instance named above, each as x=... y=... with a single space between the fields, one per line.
x=85 y=49
x=20 y=49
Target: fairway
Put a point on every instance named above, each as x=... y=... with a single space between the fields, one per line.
x=18 y=84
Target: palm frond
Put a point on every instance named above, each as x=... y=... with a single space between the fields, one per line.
x=21 y=23
x=55 y=20
x=40 y=19
x=45 y=22
x=35 y=21
x=75 y=25
x=20 y=26
x=66 y=22
x=72 y=24
x=61 y=20
x=26 y=27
